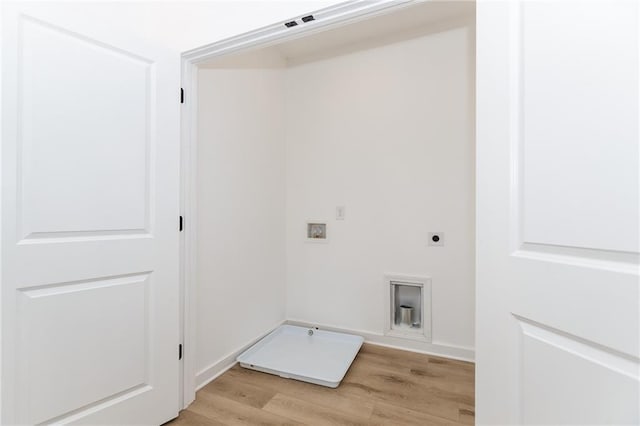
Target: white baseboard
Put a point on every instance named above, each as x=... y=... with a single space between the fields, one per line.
x=438 y=349
x=208 y=374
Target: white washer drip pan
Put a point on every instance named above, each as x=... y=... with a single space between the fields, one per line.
x=320 y=357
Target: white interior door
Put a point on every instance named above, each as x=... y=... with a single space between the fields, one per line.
x=89 y=221
x=558 y=290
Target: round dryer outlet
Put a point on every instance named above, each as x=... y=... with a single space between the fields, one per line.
x=436 y=239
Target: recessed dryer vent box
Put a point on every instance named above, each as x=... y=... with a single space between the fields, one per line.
x=408 y=302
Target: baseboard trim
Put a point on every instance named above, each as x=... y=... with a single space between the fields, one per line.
x=210 y=373
x=437 y=349
x=213 y=371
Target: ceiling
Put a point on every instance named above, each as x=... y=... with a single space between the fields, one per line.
x=421 y=18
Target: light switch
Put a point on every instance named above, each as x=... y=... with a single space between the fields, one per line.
x=341 y=212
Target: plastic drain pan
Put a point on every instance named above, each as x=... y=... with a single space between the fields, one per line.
x=306 y=354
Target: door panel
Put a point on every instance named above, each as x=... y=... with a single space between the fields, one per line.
x=558 y=316
x=571 y=364
x=113 y=349
x=103 y=187
x=90 y=151
x=579 y=91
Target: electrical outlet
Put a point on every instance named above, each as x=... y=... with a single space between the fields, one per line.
x=436 y=239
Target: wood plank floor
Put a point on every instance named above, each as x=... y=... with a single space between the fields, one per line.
x=383 y=387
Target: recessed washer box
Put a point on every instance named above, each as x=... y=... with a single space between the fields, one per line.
x=317 y=231
x=306 y=354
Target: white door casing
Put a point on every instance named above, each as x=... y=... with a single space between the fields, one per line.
x=90 y=172
x=557 y=332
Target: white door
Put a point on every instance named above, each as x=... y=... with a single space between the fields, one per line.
x=89 y=221
x=558 y=170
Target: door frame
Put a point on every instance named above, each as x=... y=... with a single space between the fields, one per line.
x=324 y=19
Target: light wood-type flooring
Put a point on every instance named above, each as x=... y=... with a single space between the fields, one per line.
x=383 y=387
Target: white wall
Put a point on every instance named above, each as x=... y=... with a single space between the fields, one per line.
x=241 y=211
x=388 y=133
x=345 y=145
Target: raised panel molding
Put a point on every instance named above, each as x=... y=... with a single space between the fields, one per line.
x=92 y=178
x=553 y=179
x=65 y=328
x=625 y=263
x=590 y=377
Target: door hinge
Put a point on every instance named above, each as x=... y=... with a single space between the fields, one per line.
x=181 y=223
x=179 y=351
x=181 y=95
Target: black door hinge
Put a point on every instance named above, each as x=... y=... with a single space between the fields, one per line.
x=181 y=223
x=179 y=351
x=181 y=95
